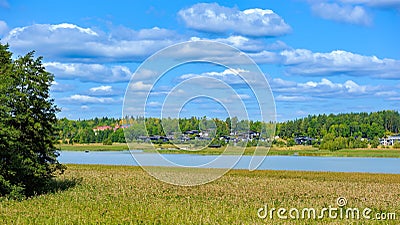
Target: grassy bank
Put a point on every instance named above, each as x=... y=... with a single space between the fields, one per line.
x=123 y=195
x=295 y=150
x=93 y=147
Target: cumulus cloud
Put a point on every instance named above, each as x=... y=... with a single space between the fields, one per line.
x=228 y=75
x=93 y=48
x=89 y=72
x=238 y=41
x=211 y=17
x=140 y=86
x=87 y=44
x=154 y=104
x=102 y=88
x=338 y=62
x=326 y=85
x=342 y=13
x=386 y=93
x=323 y=88
x=291 y=98
x=88 y=99
x=57 y=87
x=256 y=48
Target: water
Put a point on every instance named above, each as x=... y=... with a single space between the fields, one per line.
x=304 y=163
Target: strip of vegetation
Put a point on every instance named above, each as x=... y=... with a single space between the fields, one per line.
x=326 y=132
x=284 y=151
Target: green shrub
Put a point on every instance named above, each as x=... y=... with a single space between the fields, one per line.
x=108 y=141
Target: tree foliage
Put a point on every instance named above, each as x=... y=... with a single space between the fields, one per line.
x=364 y=125
x=347 y=130
x=27 y=133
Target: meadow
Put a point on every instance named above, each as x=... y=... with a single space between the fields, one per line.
x=294 y=150
x=96 y=194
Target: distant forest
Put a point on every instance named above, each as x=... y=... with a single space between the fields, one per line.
x=346 y=130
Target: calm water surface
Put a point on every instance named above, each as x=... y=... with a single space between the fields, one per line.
x=305 y=163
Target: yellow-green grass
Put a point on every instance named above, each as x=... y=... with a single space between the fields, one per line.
x=295 y=150
x=128 y=195
x=93 y=147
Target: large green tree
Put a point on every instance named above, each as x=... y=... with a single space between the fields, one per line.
x=28 y=157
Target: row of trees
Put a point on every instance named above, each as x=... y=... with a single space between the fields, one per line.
x=364 y=125
x=82 y=131
x=350 y=130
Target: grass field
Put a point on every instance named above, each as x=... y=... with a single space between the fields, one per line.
x=295 y=150
x=128 y=195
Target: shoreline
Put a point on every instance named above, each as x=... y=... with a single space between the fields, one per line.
x=262 y=151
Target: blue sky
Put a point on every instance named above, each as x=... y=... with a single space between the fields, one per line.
x=319 y=56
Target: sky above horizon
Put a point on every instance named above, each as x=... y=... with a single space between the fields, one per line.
x=319 y=56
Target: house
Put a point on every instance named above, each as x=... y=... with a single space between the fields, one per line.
x=303 y=140
x=101 y=128
x=158 y=138
x=390 y=140
x=248 y=136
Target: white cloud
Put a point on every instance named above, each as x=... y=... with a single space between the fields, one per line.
x=154 y=104
x=230 y=76
x=211 y=17
x=238 y=41
x=305 y=62
x=65 y=26
x=243 y=96
x=3 y=27
x=89 y=72
x=57 y=87
x=293 y=98
x=386 y=93
x=342 y=13
x=140 y=86
x=324 y=88
x=226 y=72
x=91 y=45
x=75 y=43
x=101 y=88
x=88 y=99
x=266 y=57
x=144 y=74
x=278 y=82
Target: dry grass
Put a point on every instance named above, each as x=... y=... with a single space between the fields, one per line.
x=121 y=194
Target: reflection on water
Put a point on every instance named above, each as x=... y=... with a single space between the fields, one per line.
x=337 y=164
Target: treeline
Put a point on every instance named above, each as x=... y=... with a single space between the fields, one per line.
x=364 y=125
x=84 y=131
x=347 y=130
